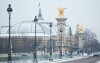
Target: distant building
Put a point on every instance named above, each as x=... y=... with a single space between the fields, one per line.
x=22 y=35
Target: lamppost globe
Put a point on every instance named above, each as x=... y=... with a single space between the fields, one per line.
x=35 y=19
x=9 y=10
x=50 y=25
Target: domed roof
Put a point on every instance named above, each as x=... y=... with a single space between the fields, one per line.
x=28 y=27
x=46 y=24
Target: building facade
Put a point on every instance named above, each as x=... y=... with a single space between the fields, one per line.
x=22 y=35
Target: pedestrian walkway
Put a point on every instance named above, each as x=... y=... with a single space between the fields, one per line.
x=64 y=60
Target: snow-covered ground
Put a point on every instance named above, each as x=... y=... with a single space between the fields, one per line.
x=65 y=59
x=47 y=61
x=54 y=61
x=98 y=62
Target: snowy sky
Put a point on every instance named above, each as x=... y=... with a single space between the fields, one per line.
x=85 y=12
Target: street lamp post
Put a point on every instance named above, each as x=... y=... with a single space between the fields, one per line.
x=35 y=51
x=44 y=45
x=70 y=33
x=50 y=59
x=9 y=9
x=61 y=44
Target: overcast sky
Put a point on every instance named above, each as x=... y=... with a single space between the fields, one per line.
x=85 y=12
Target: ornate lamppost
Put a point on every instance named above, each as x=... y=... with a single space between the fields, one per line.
x=35 y=51
x=9 y=9
x=50 y=59
x=61 y=44
x=70 y=47
x=44 y=46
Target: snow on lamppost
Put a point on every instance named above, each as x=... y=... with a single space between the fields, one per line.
x=35 y=51
x=9 y=9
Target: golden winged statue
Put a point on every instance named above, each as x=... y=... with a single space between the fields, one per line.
x=80 y=29
x=61 y=12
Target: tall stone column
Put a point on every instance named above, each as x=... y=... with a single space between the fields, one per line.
x=61 y=30
x=80 y=34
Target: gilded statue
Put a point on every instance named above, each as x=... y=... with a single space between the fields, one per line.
x=80 y=28
x=61 y=11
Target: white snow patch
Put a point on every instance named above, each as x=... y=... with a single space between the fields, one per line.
x=98 y=62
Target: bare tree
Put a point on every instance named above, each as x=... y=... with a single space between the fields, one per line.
x=90 y=41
